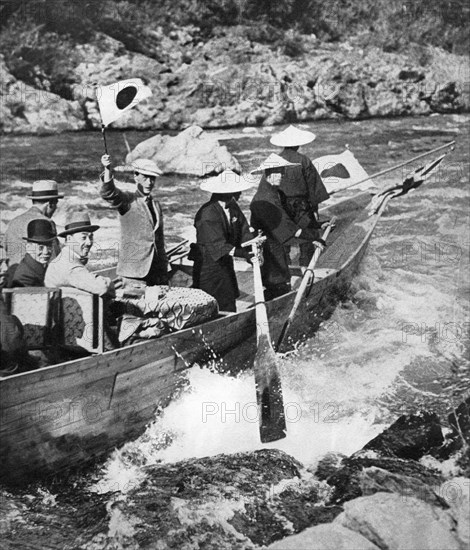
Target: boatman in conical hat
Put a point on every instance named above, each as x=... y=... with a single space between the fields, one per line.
x=301 y=184
x=142 y=258
x=268 y=213
x=45 y=197
x=221 y=228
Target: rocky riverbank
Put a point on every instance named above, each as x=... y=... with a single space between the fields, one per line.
x=229 y=79
x=406 y=489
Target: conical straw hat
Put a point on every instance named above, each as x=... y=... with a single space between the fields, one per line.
x=227 y=181
x=292 y=137
x=272 y=162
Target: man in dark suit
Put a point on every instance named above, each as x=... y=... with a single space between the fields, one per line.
x=142 y=256
x=31 y=270
x=301 y=184
x=45 y=196
x=268 y=214
x=221 y=228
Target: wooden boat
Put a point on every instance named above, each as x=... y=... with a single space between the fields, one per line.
x=65 y=415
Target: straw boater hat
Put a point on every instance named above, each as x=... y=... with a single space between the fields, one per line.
x=146 y=167
x=292 y=137
x=227 y=181
x=45 y=190
x=273 y=162
x=78 y=222
x=40 y=231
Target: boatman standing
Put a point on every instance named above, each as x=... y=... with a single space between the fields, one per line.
x=302 y=185
x=142 y=257
x=268 y=213
x=45 y=196
x=221 y=228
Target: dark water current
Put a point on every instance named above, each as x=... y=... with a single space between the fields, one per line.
x=398 y=342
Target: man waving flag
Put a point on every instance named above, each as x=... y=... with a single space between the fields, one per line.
x=114 y=100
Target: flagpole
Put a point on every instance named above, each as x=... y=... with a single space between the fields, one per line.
x=393 y=168
x=103 y=133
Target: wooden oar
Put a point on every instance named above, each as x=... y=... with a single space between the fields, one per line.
x=393 y=168
x=267 y=379
x=303 y=285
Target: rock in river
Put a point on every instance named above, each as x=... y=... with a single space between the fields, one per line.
x=192 y=152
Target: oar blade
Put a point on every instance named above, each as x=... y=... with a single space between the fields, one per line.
x=269 y=393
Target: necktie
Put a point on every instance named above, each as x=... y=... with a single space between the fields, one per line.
x=151 y=207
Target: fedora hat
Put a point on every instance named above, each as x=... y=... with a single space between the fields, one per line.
x=40 y=231
x=45 y=190
x=227 y=181
x=292 y=137
x=77 y=222
x=146 y=167
x=272 y=163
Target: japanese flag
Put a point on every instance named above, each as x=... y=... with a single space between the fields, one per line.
x=341 y=171
x=115 y=99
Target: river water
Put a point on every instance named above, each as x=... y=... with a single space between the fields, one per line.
x=397 y=343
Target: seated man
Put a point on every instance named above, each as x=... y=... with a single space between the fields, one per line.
x=44 y=196
x=41 y=234
x=69 y=268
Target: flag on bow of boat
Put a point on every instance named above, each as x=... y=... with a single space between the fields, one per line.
x=342 y=171
x=114 y=100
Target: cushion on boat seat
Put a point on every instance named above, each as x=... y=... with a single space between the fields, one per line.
x=166 y=309
x=38 y=310
x=82 y=317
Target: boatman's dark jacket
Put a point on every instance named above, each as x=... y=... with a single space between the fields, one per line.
x=142 y=249
x=269 y=215
x=217 y=235
x=304 y=184
x=28 y=273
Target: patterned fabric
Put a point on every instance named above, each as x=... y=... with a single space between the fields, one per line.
x=166 y=309
x=82 y=324
x=34 y=308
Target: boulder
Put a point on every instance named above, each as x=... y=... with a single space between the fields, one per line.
x=456 y=492
x=365 y=474
x=330 y=536
x=192 y=152
x=411 y=436
x=401 y=523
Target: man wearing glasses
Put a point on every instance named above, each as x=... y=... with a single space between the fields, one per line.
x=142 y=258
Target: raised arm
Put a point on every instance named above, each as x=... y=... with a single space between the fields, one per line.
x=109 y=191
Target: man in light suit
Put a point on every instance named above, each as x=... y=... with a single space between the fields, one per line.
x=70 y=266
x=45 y=196
x=142 y=256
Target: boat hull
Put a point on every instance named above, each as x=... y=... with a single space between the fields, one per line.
x=66 y=415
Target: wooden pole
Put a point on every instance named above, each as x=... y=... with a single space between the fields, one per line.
x=267 y=379
x=303 y=285
x=387 y=170
x=103 y=133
